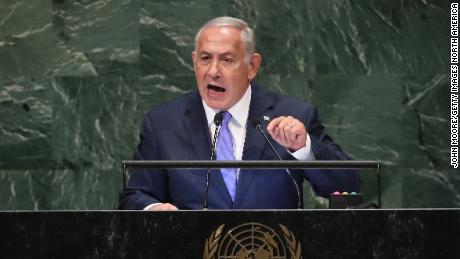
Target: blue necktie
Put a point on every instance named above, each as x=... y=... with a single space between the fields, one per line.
x=225 y=152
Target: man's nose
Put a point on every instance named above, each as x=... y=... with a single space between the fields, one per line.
x=214 y=71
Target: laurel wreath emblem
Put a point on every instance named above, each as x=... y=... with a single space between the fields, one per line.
x=294 y=247
x=212 y=243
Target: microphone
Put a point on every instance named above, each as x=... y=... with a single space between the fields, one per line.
x=217 y=121
x=256 y=123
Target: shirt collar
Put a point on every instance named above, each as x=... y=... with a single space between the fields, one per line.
x=239 y=111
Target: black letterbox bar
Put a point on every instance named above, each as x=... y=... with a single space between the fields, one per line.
x=256 y=164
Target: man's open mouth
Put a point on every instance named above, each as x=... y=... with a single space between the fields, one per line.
x=216 y=88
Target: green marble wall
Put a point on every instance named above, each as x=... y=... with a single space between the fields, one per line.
x=76 y=77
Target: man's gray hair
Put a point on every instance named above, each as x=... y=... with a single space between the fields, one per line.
x=247 y=34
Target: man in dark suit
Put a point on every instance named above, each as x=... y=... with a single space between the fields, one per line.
x=225 y=62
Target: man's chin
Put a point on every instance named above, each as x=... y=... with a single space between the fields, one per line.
x=217 y=104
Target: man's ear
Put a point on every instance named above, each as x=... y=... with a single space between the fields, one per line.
x=194 y=56
x=254 y=64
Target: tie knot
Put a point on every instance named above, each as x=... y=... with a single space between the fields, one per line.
x=227 y=117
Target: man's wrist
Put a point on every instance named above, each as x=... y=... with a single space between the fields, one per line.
x=305 y=153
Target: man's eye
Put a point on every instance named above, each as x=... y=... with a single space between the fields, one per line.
x=205 y=58
x=227 y=60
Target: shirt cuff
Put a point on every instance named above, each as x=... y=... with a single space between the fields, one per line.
x=305 y=153
x=151 y=205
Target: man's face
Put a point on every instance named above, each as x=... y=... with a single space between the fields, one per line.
x=221 y=72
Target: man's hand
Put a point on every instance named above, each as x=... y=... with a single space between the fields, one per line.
x=162 y=207
x=289 y=132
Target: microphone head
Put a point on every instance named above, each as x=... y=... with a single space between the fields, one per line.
x=218 y=118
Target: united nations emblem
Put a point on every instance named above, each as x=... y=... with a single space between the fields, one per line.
x=252 y=241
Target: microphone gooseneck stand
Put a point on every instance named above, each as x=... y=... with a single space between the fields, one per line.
x=217 y=121
x=256 y=124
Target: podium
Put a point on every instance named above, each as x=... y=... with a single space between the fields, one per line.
x=408 y=233
x=225 y=234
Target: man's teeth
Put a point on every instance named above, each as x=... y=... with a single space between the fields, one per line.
x=216 y=88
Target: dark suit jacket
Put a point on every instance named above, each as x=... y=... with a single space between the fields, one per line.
x=178 y=130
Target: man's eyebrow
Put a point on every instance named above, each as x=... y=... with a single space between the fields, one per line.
x=228 y=53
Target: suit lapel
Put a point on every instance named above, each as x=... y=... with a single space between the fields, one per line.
x=196 y=126
x=255 y=144
x=261 y=105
